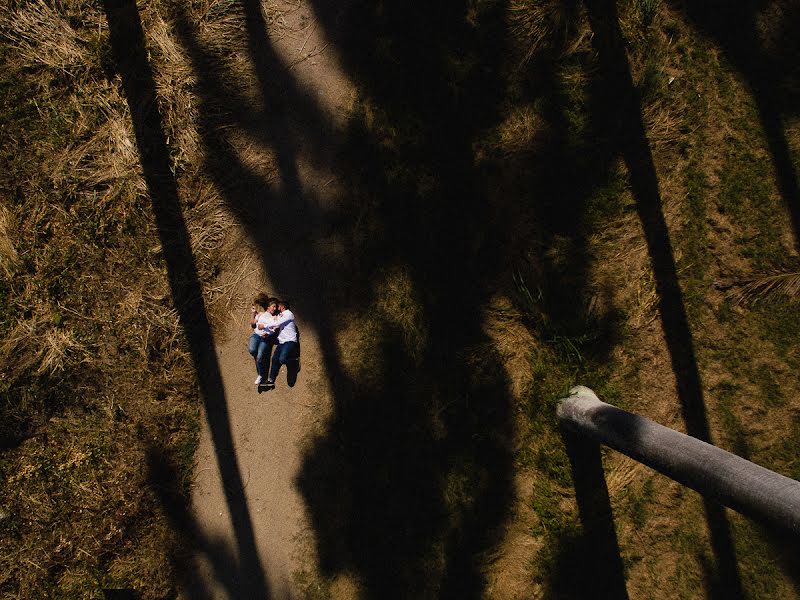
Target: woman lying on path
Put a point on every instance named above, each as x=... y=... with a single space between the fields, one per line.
x=264 y=336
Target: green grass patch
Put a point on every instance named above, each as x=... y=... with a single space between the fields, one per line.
x=769 y=387
x=638 y=504
x=779 y=324
x=726 y=410
x=748 y=196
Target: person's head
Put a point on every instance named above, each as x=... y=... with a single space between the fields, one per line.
x=262 y=301
x=272 y=306
x=283 y=305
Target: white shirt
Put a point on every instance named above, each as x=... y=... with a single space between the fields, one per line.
x=267 y=320
x=287 y=330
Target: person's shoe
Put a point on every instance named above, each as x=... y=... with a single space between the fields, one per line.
x=269 y=382
x=258 y=380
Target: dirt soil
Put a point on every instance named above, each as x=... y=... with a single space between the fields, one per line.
x=269 y=429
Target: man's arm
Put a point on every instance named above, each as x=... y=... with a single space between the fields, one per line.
x=285 y=317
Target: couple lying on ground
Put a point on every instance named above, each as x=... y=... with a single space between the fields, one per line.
x=274 y=326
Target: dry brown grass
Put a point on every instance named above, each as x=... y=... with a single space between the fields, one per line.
x=43 y=36
x=9 y=259
x=108 y=161
x=398 y=305
x=663 y=125
x=79 y=250
x=519 y=131
x=512 y=341
x=41 y=347
x=547 y=24
x=793 y=133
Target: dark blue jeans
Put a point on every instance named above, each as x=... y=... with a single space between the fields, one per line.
x=283 y=353
x=260 y=348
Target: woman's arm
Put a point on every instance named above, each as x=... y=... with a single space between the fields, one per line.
x=253 y=317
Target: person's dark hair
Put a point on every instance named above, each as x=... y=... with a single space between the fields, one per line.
x=285 y=304
x=262 y=300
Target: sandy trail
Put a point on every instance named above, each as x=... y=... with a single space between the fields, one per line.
x=269 y=429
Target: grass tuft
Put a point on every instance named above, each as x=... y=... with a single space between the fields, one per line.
x=9 y=259
x=42 y=36
x=547 y=25
x=648 y=9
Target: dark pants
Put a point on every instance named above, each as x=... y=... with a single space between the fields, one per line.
x=260 y=348
x=283 y=354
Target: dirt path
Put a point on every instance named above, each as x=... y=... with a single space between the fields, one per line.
x=269 y=429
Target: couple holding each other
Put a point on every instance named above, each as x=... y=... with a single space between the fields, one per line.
x=274 y=325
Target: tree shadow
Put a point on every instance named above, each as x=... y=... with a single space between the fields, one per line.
x=164 y=478
x=596 y=556
x=764 y=49
x=770 y=68
x=618 y=115
x=244 y=576
x=784 y=546
x=571 y=166
x=409 y=486
x=442 y=118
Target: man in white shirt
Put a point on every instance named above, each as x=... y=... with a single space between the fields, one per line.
x=288 y=342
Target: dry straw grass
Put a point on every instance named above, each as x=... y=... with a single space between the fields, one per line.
x=398 y=305
x=518 y=132
x=109 y=160
x=42 y=36
x=174 y=79
x=547 y=24
x=82 y=227
x=208 y=223
x=793 y=133
x=512 y=340
x=9 y=259
x=662 y=124
x=621 y=474
x=37 y=345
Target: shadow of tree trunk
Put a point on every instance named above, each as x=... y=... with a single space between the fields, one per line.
x=247 y=578
x=620 y=116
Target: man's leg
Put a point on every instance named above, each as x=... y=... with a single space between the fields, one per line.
x=278 y=359
x=283 y=353
x=276 y=362
x=253 y=345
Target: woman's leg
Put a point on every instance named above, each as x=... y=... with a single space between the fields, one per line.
x=252 y=344
x=262 y=356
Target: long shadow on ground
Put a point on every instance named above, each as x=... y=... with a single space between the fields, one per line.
x=618 y=114
x=766 y=55
x=247 y=579
x=617 y=126
x=759 y=39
